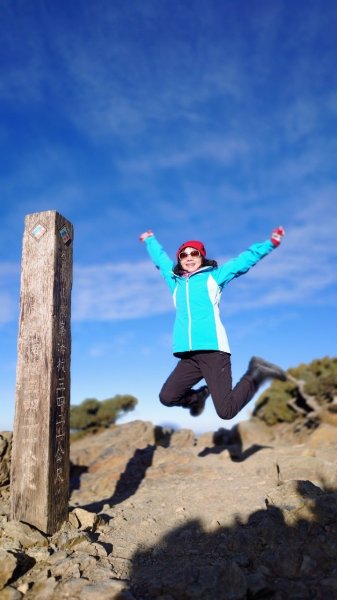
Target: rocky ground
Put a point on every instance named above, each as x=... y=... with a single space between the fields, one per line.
x=248 y=513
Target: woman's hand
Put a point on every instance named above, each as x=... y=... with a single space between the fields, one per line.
x=145 y=235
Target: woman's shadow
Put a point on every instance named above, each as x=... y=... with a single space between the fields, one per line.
x=262 y=557
x=231 y=441
x=131 y=478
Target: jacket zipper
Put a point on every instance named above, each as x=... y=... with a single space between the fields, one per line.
x=188 y=304
x=189 y=312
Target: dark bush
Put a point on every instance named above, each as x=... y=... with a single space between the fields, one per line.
x=92 y=414
x=308 y=385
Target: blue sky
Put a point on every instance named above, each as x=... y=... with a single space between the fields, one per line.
x=209 y=120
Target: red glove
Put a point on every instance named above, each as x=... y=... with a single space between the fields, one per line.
x=145 y=235
x=277 y=235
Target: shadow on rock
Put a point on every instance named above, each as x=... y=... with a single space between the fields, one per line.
x=75 y=476
x=287 y=551
x=231 y=441
x=235 y=453
x=129 y=480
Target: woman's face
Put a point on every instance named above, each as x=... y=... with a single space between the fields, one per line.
x=190 y=259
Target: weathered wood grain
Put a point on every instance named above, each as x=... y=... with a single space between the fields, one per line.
x=40 y=458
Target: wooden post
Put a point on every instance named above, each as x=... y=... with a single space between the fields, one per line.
x=40 y=455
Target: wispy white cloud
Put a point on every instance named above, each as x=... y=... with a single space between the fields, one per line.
x=7 y=309
x=301 y=272
x=220 y=150
x=296 y=274
x=119 y=292
x=301 y=118
x=116 y=345
x=9 y=291
x=113 y=82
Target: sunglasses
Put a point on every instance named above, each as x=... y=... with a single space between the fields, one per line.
x=193 y=253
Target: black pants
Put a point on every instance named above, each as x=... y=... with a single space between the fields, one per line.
x=215 y=368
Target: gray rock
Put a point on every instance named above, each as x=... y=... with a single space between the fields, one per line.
x=254 y=431
x=294 y=492
x=44 y=589
x=67 y=569
x=258 y=585
x=8 y=564
x=5 y=455
x=10 y=593
x=26 y=535
x=57 y=557
x=104 y=590
x=183 y=438
x=68 y=538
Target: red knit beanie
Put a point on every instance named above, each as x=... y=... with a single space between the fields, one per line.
x=192 y=244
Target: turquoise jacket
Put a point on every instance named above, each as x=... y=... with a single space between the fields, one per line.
x=197 y=296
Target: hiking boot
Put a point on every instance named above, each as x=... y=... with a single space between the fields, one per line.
x=260 y=370
x=198 y=401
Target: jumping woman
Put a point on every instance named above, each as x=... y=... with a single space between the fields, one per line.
x=199 y=337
